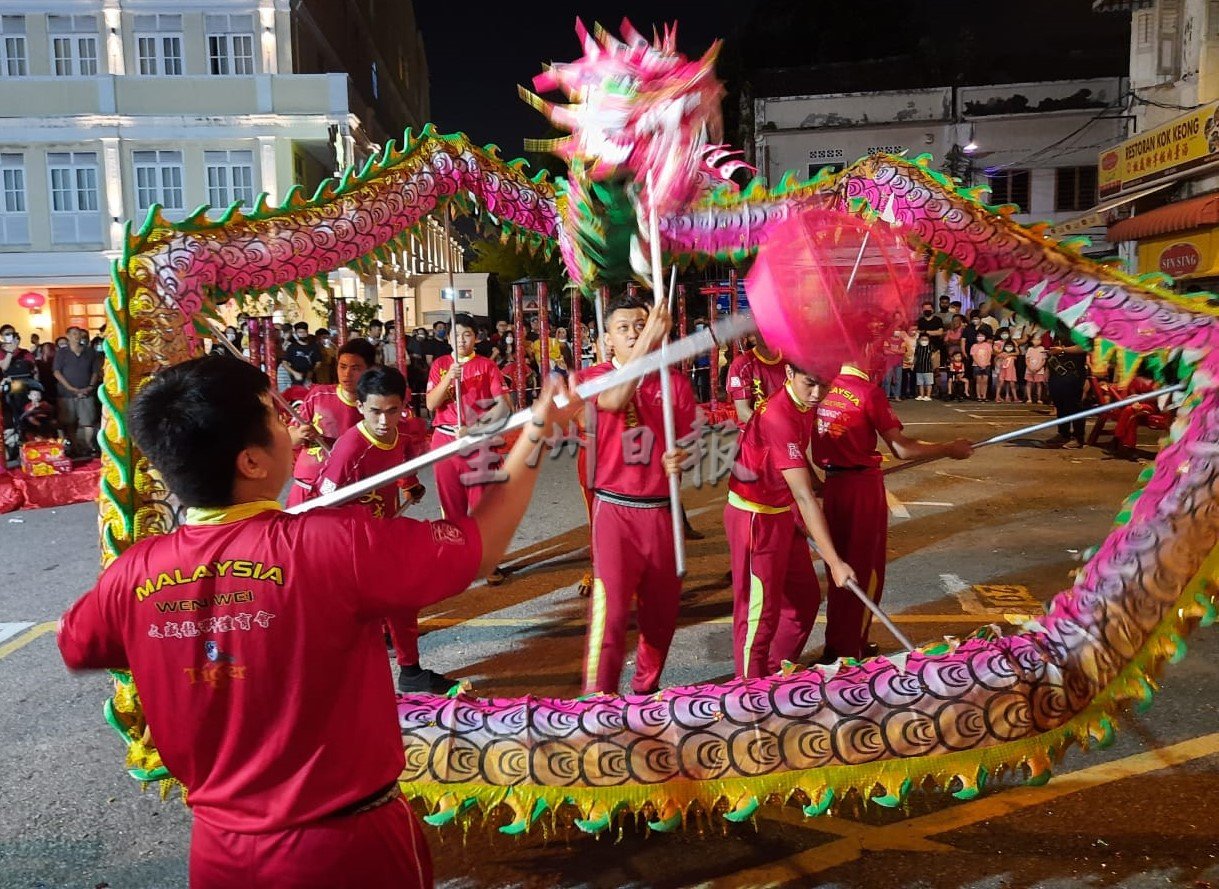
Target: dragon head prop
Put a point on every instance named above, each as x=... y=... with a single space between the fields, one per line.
x=643 y=119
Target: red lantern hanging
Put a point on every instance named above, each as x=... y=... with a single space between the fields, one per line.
x=32 y=300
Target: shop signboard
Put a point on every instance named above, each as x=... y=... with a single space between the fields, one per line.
x=1183 y=143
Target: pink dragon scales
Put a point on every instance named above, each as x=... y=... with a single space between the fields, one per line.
x=955 y=713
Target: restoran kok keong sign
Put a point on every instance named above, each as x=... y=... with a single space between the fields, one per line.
x=1188 y=141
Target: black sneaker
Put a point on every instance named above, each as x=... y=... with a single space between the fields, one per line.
x=425 y=682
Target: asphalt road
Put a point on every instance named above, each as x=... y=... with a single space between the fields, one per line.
x=970 y=543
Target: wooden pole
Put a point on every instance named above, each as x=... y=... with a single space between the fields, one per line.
x=544 y=329
x=574 y=338
x=270 y=338
x=340 y=318
x=519 y=342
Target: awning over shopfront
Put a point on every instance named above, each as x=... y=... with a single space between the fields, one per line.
x=1199 y=212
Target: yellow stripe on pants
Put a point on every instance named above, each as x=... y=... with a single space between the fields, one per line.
x=596 y=634
x=756 y=593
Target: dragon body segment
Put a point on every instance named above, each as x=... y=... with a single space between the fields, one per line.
x=956 y=713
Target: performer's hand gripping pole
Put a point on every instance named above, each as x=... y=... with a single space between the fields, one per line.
x=666 y=394
x=682 y=349
x=280 y=402
x=871 y=606
x=1038 y=427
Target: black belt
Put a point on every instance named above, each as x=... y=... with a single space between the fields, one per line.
x=631 y=502
x=367 y=804
x=833 y=470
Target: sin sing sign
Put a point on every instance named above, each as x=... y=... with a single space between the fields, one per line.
x=1180 y=259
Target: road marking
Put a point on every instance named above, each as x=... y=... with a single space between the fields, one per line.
x=956 y=423
x=895 y=506
x=970 y=478
x=1008 y=598
x=26 y=638
x=914 y=834
x=9 y=630
x=928 y=503
x=440 y=623
x=963 y=593
x=1012 y=600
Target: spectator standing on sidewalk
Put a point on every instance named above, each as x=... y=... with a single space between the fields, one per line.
x=926 y=357
x=982 y=354
x=1068 y=367
x=1035 y=373
x=78 y=370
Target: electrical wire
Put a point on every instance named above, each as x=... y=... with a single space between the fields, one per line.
x=1100 y=115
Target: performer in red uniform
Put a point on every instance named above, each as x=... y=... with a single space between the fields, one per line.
x=461 y=479
x=775 y=590
x=850 y=417
x=381 y=441
x=632 y=531
x=753 y=377
x=255 y=638
x=331 y=411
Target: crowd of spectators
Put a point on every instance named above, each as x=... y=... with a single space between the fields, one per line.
x=305 y=357
x=48 y=388
x=982 y=356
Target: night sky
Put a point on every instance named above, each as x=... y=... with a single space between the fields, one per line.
x=476 y=58
x=478 y=53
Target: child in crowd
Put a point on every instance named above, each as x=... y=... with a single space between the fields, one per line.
x=925 y=360
x=982 y=354
x=909 y=344
x=1035 y=373
x=1005 y=362
x=37 y=417
x=956 y=377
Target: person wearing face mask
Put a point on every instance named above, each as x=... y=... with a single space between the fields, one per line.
x=931 y=324
x=1068 y=372
x=78 y=370
x=982 y=354
x=1001 y=338
x=11 y=350
x=437 y=345
x=925 y=362
x=1005 y=364
x=301 y=354
x=909 y=344
x=232 y=335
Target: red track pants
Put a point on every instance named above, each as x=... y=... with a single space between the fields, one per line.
x=458 y=484
x=383 y=848
x=858 y=516
x=775 y=590
x=404 y=632
x=633 y=560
